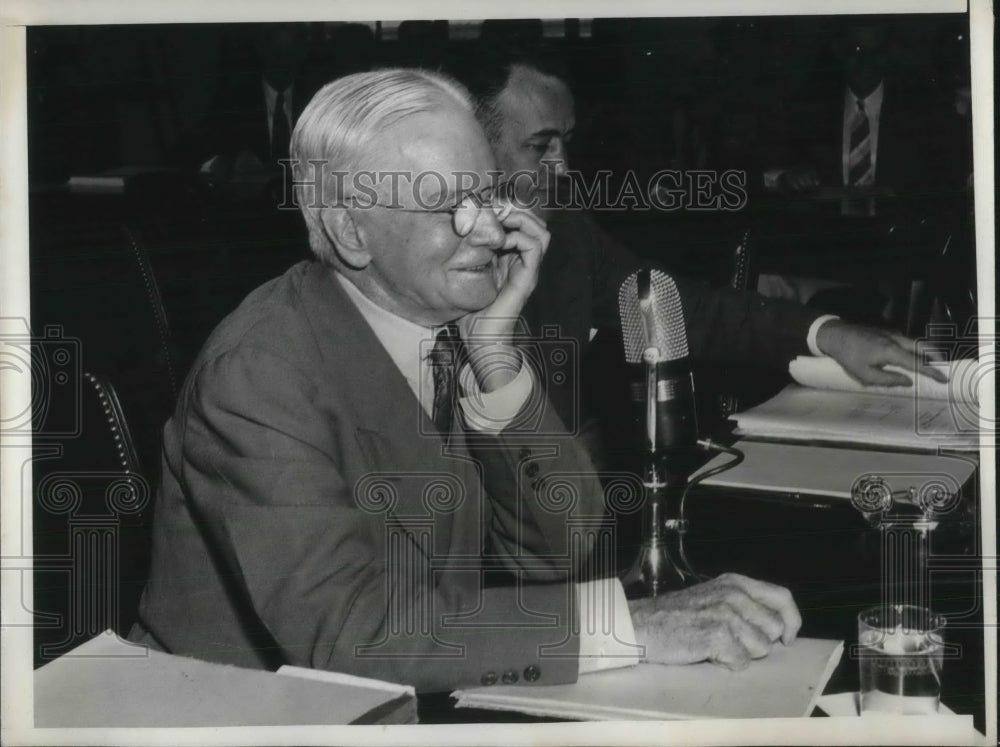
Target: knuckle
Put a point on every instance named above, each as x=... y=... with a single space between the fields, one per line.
x=722 y=637
x=762 y=648
x=730 y=608
x=733 y=598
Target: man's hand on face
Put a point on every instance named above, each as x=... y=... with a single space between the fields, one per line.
x=489 y=333
x=864 y=351
x=728 y=620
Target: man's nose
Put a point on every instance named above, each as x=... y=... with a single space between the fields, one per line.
x=487 y=230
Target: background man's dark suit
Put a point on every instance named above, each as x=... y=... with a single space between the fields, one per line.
x=239 y=122
x=578 y=290
x=921 y=155
x=293 y=459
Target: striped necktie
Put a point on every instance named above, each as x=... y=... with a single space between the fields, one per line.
x=444 y=365
x=860 y=169
x=859 y=161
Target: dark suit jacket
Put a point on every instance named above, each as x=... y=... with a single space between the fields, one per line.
x=240 y=121
x=922 y=154
x=578 y=290
x=309 y=513
x=237 y=121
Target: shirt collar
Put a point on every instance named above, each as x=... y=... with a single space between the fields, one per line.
x=271 y=96
x=400 y=337
x=872 y=102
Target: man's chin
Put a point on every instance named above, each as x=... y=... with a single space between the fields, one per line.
x=475 y=294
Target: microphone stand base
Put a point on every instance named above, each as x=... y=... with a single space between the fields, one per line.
x=654 y=572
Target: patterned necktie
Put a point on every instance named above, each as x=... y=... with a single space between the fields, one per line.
x=860 y=170
x=444 y=365
x=280 y=136
x=859 y=159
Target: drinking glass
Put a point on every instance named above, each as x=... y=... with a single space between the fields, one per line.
x=900 y=650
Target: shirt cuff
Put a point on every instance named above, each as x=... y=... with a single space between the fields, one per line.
x=814 y=330
x=491 y=412
x=607 y=638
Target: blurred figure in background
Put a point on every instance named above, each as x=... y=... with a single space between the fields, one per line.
x=867 y=136
x=865 y=122
x=250 y=127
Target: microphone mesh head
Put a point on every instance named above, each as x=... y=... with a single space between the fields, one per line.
x=656 y=319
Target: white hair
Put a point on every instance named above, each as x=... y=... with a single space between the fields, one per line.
x=341 y=121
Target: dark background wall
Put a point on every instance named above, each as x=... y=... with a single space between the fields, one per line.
x=660 y=90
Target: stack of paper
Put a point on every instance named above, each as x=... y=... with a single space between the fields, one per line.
x=827 y=405
x=786 y=683
x=107 y=682
x=805 y=470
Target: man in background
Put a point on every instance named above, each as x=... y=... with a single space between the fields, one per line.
x=863 y=122
x=528 y=112
x=251 y=123
x=880 y=141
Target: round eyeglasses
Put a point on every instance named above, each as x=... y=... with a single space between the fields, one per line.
x=464 y=212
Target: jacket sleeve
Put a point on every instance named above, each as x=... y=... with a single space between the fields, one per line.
x=333 y=587
x=722 y=324
x=547 y=505
x=742 y=326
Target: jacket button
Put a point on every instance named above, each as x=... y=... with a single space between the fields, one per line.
x=509 y=677
x=532 y=673
x=532 y=469
x=524 y=453
x=490 y=678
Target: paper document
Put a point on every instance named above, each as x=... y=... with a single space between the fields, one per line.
x=825 y=373
x=799 y=413
x=846 y=704
x=786 y=683
x=107 y=682
x=807 y=470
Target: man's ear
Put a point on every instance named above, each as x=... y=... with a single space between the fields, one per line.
x=347 y=237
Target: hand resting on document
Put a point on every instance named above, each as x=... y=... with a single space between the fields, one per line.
x=864 y=351
x=728 y=620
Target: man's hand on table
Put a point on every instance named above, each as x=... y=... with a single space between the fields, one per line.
x=728 y=620
x=864 y=351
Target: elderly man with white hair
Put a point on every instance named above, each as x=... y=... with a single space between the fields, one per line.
x=361 y=441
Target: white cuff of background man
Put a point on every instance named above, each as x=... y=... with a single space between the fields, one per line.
x=814 y=331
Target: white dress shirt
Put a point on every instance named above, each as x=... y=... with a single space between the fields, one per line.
x=607 y=637
x=409 y=345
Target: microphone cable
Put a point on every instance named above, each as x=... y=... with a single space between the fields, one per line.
x=706 y=444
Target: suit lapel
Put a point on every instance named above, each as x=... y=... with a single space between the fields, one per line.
x=394 y=433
